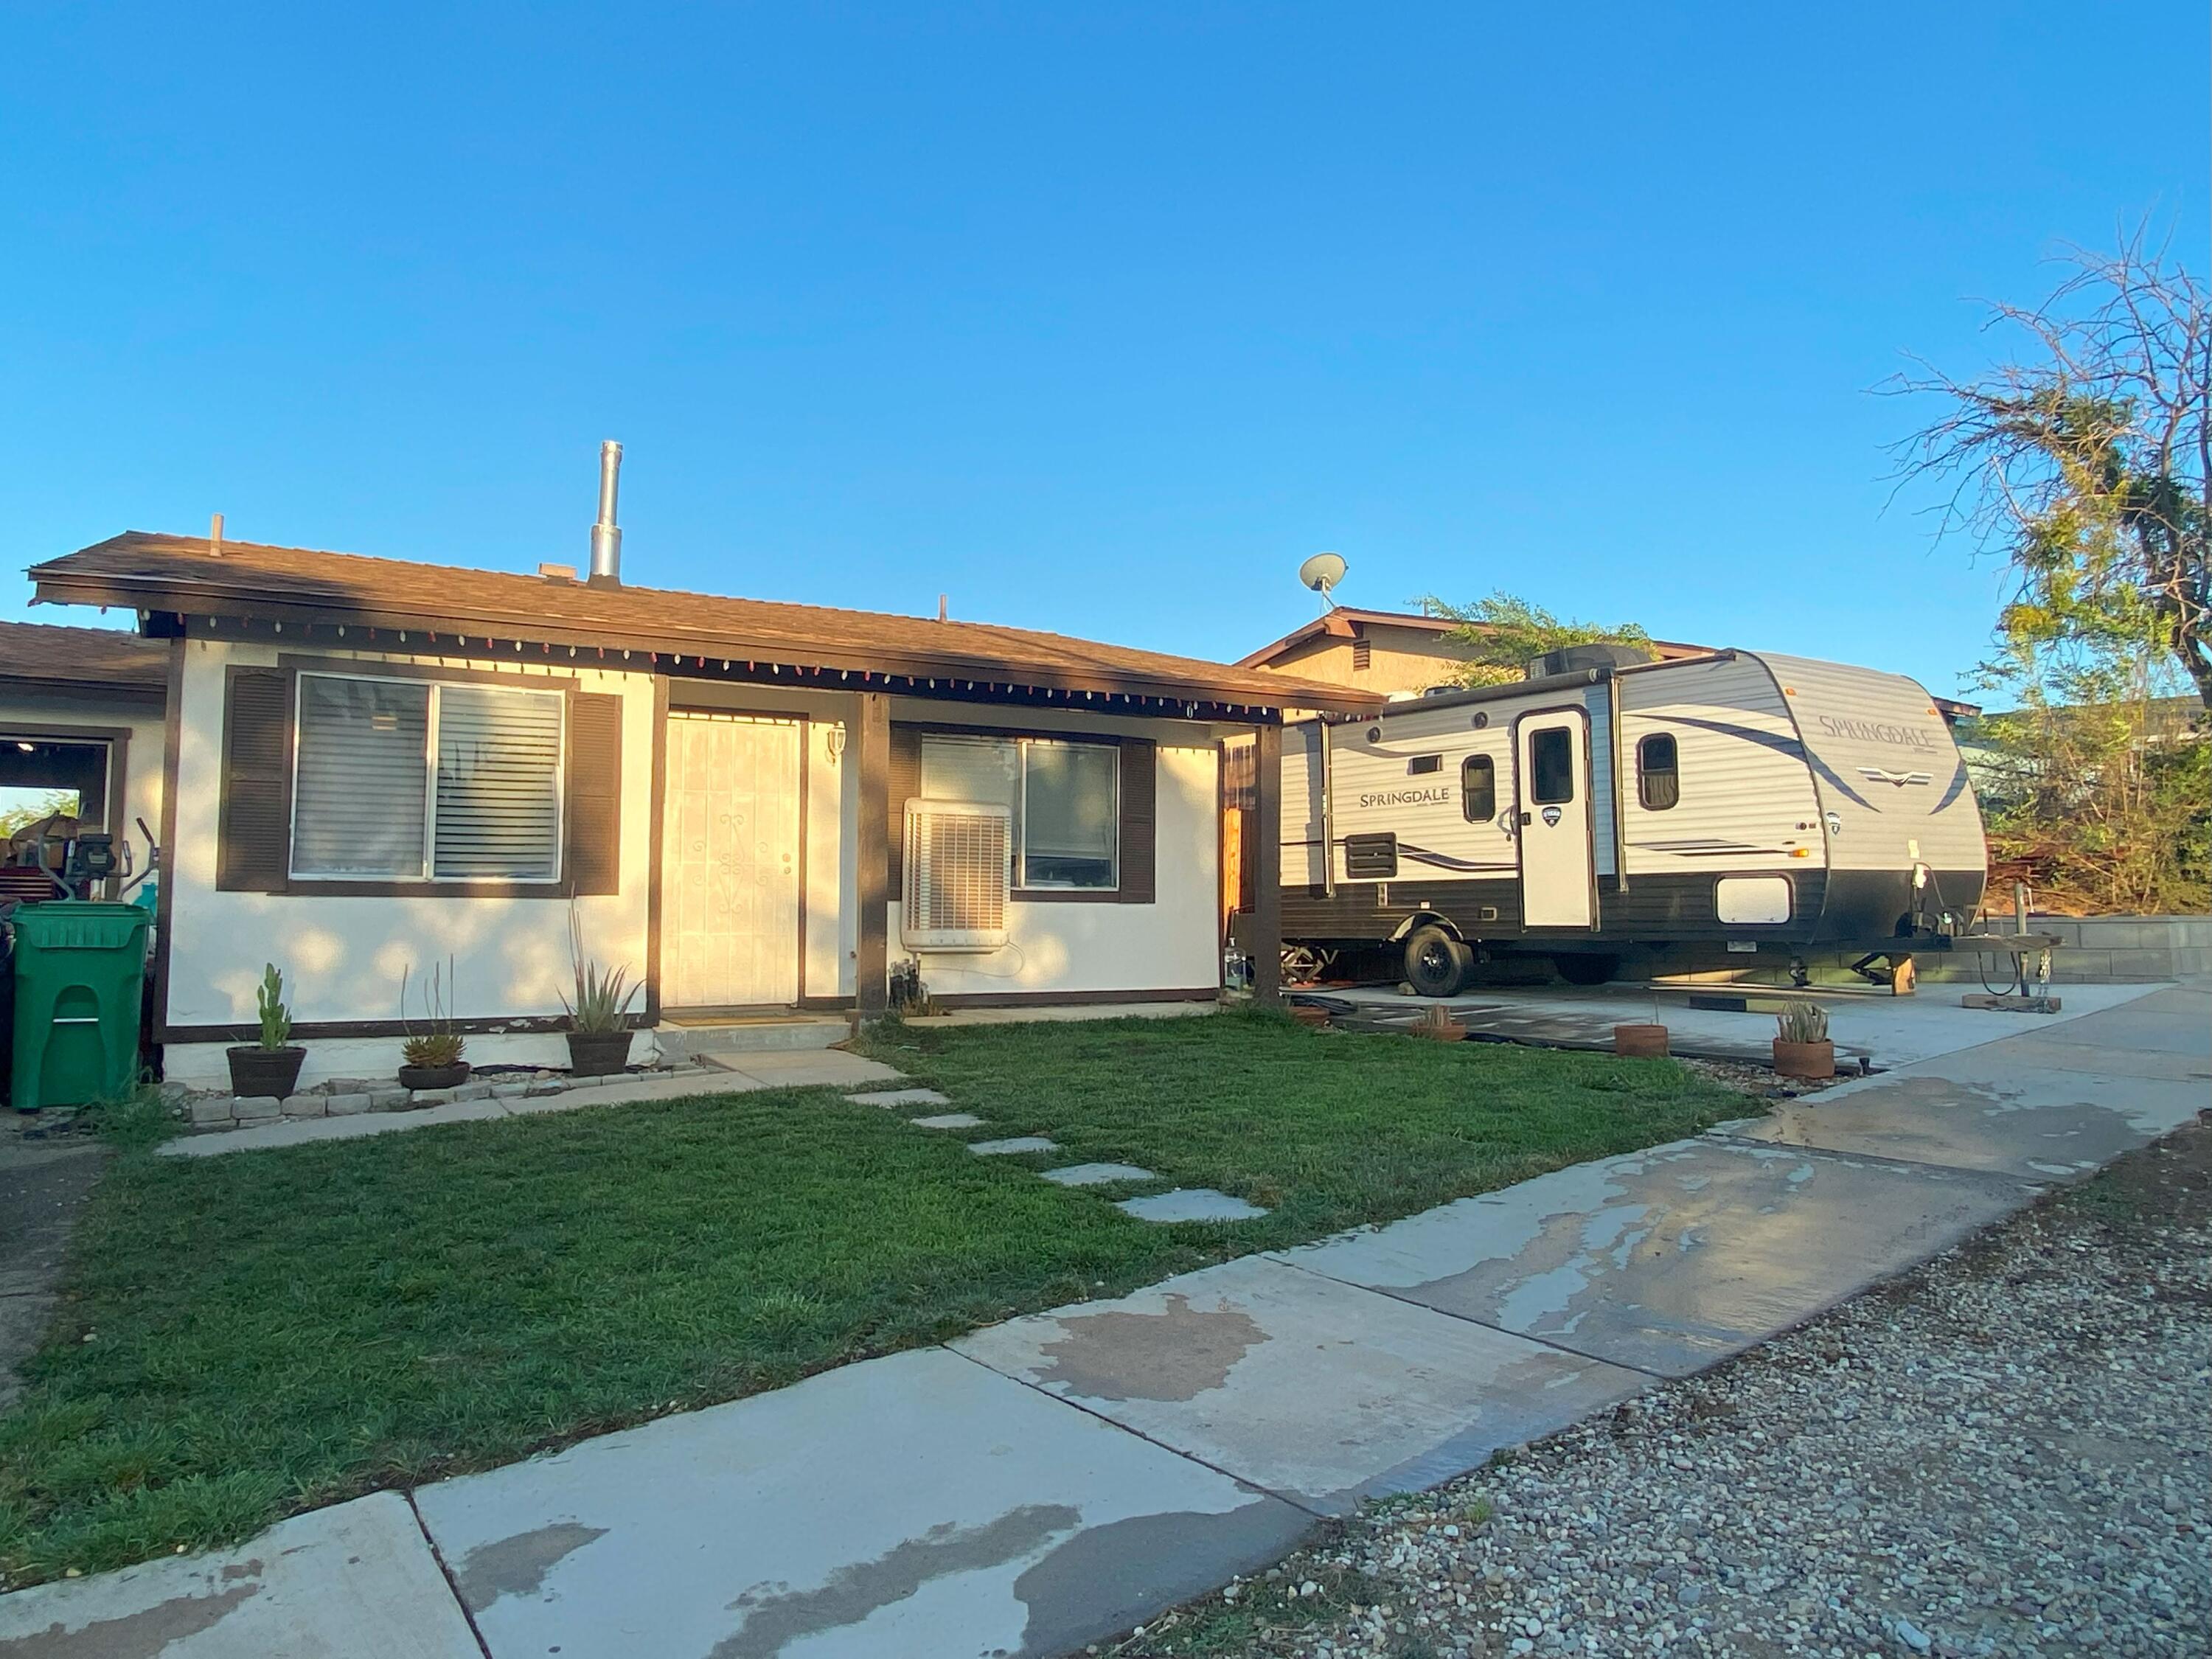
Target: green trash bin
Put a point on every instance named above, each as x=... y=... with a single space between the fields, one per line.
x=79 y=970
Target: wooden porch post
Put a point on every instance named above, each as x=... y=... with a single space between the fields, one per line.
x=871 y=750
x=1266 y=933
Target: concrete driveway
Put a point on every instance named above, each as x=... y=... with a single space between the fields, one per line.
x=1885 y=1030
x=1047 y=1482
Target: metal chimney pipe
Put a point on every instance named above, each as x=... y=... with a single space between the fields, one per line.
x=606 y=539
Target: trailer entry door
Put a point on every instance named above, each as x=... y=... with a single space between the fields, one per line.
x=1552 y=820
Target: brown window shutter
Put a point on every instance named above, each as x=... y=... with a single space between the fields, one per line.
x=906 y=783
x=254 y=852
x=595 y=793
x=1140 y=766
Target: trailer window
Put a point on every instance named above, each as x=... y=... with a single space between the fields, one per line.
x=1478 y=788
x=1552 y=766
x=1658 y=772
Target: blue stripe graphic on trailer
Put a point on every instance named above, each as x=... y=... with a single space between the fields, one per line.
x=1956 y=787
x=1780 y=744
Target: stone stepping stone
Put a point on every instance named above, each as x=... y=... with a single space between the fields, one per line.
x=900 y=1098
x=1097 y=1175
x=947 y=1121
x=1190 y=1204
x=1013 y=1143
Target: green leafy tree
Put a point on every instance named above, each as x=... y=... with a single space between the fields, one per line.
x=2083 y=464
x=1504 y=632
x=15 y=819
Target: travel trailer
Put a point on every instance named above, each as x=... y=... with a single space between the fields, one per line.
x=1701 y=812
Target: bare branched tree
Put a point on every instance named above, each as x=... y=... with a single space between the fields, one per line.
x=2085 y=461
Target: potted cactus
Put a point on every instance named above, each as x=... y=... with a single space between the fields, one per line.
x=271 y=1065
x=432 y=1057
x=1802 y=1049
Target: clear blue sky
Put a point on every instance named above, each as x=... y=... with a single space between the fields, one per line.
x=1099 y=319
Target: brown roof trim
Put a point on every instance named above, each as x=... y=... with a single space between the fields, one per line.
x=303 y=586
x=85 y=659
x=1346 y=622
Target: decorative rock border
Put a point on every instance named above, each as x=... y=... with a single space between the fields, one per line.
x=207 y=1111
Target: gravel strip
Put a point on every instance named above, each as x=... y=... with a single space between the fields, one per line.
x=2003 y=1452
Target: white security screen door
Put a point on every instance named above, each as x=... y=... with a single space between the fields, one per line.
x=729 y=913
x=1553 y=827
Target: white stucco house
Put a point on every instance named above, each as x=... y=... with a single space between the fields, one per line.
x=365 y=768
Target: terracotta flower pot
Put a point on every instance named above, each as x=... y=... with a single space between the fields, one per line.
x=1644 y=1042
x=597 y=1053
x=435 y=1077
x=255 y=1070
x=1812 y=1062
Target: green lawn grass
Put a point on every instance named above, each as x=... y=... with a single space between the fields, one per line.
x=246 y=1336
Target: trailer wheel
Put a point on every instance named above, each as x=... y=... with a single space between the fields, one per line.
x=1585 y=968
x=1436 y=963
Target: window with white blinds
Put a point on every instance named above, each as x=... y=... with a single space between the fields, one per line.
x=358 y=803
x=498 y=809
x=1064 y=797
x=408 y=780
x=985 y=769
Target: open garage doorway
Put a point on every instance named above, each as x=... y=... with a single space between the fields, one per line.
x=56 y=783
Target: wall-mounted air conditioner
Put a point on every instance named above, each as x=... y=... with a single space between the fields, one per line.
x=958 y=856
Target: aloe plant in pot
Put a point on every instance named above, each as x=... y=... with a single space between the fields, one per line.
x=599 y=1020
x=271 y=1065
x=599 y=1017
x=432 y=1056
x=1801 y=1048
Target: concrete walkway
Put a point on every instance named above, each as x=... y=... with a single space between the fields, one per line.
x=1048 y=1482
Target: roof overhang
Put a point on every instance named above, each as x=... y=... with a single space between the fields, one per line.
x=1343 y=624
x=214 y=602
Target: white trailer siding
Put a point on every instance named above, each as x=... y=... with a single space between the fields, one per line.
x=1377 y=791
x=1892 y=786
x=1304 y=820
x=1746 y=799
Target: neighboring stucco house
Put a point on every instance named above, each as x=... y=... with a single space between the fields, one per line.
x=1393 y=653
x=1398 y=653
x=377 y=767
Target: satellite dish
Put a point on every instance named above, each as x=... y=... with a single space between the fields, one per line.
x=1322 y=572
